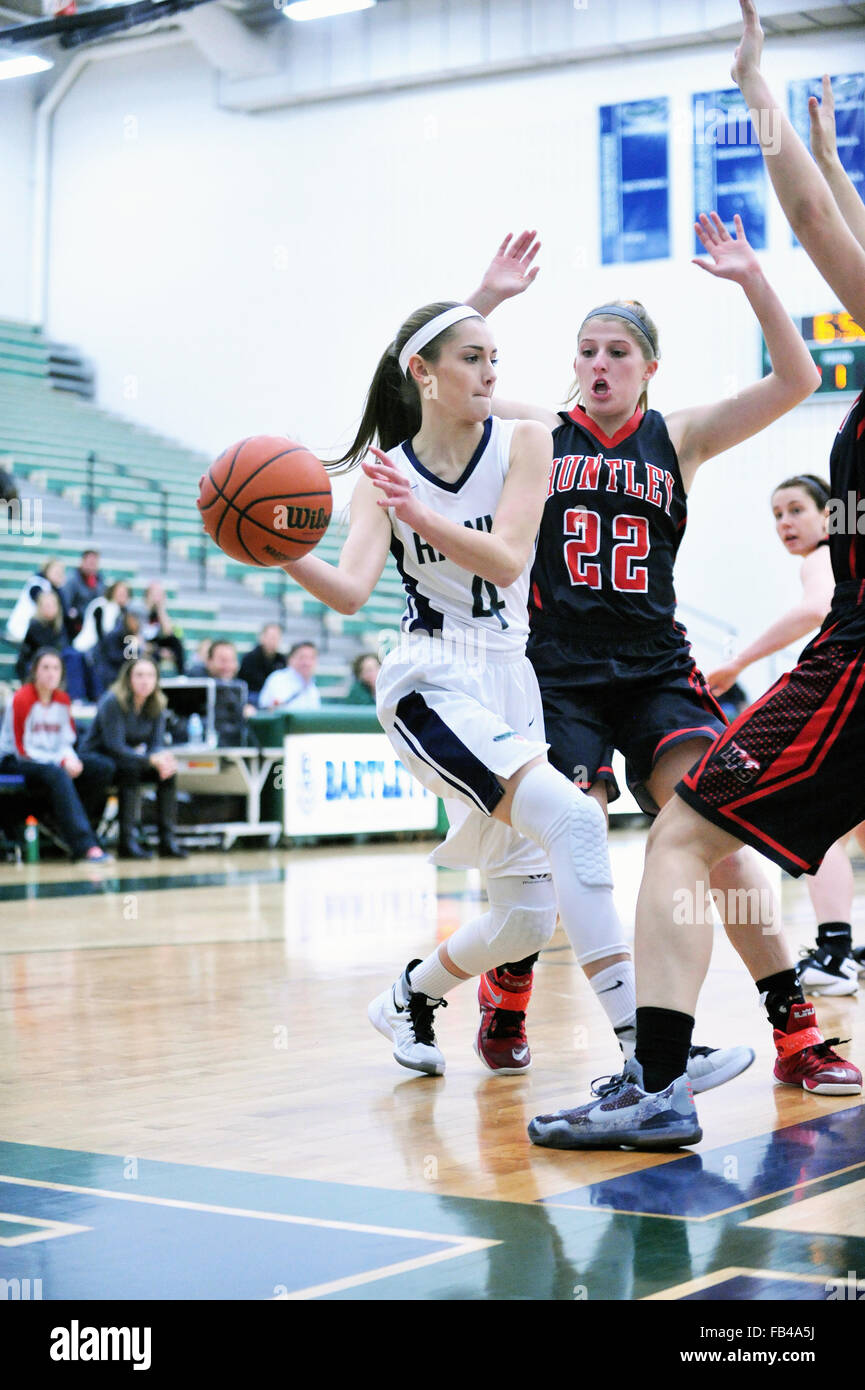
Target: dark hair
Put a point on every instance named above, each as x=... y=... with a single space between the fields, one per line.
x=392 y=411
x=817 y=488
x=298 y=646
x=122 y=689
x=8 y=489
x=37 y=657
x=359 y=660
x=220 y=642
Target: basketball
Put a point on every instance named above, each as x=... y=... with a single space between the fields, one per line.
x=265 y=500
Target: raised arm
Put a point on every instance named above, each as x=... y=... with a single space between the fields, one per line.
x=509 y=273
x=502 y=554
x=704 y=431
x=347 y=585
x=817 y=587
x=824 y=147
x=799 y=185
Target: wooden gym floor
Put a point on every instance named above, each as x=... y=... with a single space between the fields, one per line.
x=194 y=1105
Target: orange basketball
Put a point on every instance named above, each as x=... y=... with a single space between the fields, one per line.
x=266 y=500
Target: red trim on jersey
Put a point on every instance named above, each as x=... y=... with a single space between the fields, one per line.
x=798 y=753
x=860 y=428
x=536 y=596
x=579 y=417
x=730 y=733
x=22 y=703
x=679 y=733
x=851 y=558
x=766 y=839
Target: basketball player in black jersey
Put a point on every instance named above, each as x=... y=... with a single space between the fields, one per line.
x=786 y=776
x=799 y=508
x=614 y=668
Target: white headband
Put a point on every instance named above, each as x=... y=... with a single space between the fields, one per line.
x=432 y=329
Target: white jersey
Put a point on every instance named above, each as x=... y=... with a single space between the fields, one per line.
x=442 y=598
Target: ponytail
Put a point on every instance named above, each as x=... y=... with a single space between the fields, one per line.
x=392 y=410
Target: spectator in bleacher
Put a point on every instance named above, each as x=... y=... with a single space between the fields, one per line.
x=263 y=660
x=123 y=643
x=161 y=637
x=365 y=669
x=81 y=588
x=232 y=701
x=102 y=615
x=37 y=740
x=8 y=487
x=45 y=629
x=293 y=689
x=198 y=667
x=129 y=729
x=50 y=577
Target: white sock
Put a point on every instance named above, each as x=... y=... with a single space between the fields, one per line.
x=432 y=979
x=616 y=993
x=570 y=826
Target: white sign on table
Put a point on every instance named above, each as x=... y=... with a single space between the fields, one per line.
x=350 y=784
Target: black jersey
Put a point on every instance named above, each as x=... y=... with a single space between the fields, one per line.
x=847 y=509
x=613 y=521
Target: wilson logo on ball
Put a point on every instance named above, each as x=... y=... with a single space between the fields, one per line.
x=266 y=500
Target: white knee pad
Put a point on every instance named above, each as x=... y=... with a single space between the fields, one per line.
x=549 y=809
x=589 y=843
x=522 y=916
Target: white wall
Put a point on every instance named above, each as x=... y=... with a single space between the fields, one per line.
x=16 y=128
x=236 y=274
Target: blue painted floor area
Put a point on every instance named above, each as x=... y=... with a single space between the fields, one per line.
x=704 y=1184
x=753 y=1288
x=167 y=1248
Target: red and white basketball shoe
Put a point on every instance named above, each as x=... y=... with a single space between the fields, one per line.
x=501 y=1041
x=806 y=1060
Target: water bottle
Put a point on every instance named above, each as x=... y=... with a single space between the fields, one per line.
x=31 y=840
x=195 y=729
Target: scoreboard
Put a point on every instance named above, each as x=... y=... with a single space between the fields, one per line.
x=837 y=346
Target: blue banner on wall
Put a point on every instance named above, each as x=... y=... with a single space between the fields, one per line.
x=848 y=90
x=729 y=174
x=635 y=181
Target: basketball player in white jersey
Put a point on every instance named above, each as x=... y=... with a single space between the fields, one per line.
x=458 y=499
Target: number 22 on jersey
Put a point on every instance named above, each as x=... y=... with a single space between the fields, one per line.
x=583 y=530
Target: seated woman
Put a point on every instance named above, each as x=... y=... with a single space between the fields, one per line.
x=37 y=740
x=365 y=669
x=124 y=643
x=129 y=729
x=45 y=629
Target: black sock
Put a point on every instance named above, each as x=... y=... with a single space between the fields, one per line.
x=835 y=937
x=521 y=967
x=778 y=993
x=663 y=1044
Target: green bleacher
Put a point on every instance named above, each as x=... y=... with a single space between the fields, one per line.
x=47 y=437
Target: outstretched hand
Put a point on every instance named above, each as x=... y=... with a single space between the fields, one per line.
x=824 y=143
x=746 y=59
x=397 y=489
x=733 y=257
x=511 y=271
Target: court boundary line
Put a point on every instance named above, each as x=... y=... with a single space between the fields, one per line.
x=720 y=1276
x=48 y=1229
x=287 y=1218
